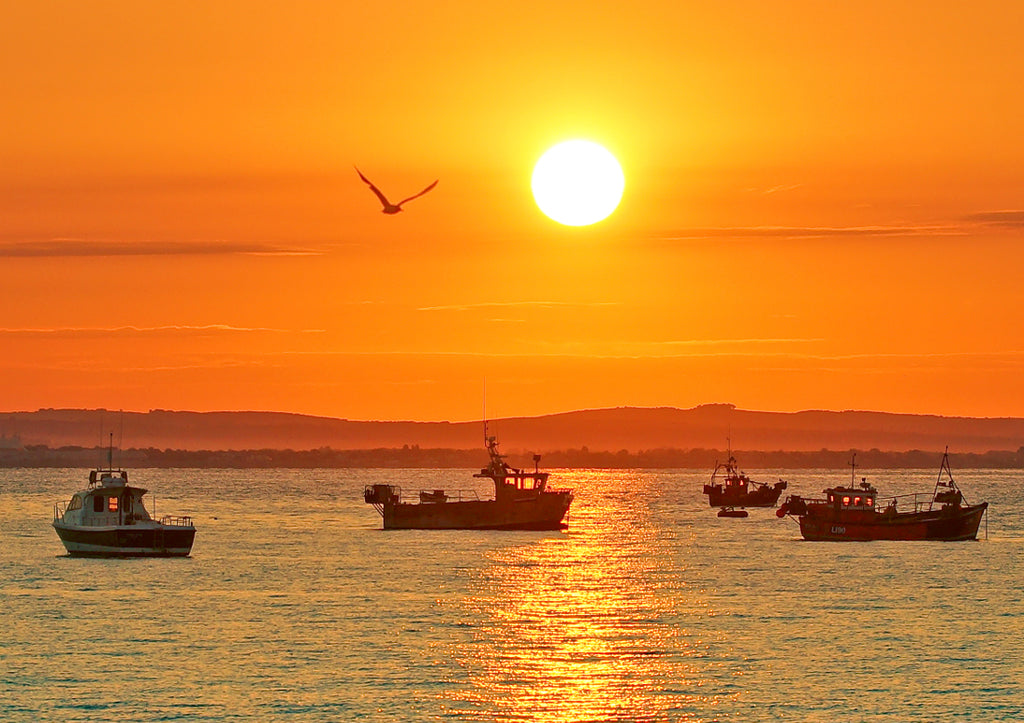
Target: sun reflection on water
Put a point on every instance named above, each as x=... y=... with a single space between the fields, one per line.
x=585 y=625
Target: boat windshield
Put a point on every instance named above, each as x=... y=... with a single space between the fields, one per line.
x=851 y=499
x=527 y=483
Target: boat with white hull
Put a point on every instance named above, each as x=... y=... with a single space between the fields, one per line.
x=109 y=519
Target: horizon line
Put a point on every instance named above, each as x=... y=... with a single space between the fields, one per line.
x=732 y=407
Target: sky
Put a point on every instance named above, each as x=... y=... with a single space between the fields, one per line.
x=824 y=207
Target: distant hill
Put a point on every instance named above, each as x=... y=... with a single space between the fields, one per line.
x=624 y=428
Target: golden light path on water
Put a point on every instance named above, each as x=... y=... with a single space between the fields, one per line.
x=585 y=626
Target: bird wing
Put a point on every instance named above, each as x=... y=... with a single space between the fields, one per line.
x=418 y=194
x=381 y=196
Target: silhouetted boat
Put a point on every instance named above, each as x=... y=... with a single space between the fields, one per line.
x=730 y=487
x=856 y=513
x=731 y=512
x=522 y=501
x=109 y=519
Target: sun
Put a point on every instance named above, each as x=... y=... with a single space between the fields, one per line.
x=577 y=183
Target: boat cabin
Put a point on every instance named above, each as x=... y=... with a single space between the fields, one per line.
x=108 y=501
x=520 y=480
x=508 y=479
x=736 y=483
x=729 y=478
x=852 y=498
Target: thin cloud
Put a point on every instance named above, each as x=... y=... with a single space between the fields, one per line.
x=1012 y=357
x=69 y=247
x=519 y=304
x=999 y=219
x=811 y=232
x=99 y=331
x=780 y=188
x=716 y=342
x=1009 y=220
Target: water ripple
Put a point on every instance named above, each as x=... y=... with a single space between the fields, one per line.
x=650 y=608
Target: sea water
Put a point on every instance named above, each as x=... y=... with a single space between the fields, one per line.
x=295 y=605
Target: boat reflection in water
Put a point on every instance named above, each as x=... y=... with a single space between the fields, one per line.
x=586 y=625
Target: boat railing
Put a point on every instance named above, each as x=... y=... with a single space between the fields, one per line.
x=911 y=502
x=176 y=521
x=454 y=496
x=104 y=520
x=59 y=508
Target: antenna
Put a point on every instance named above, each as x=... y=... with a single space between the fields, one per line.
x=485 y=411
x=853 y=470
x=120 y=441
x=100 y=446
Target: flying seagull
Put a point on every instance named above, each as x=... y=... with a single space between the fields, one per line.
x=391 y=208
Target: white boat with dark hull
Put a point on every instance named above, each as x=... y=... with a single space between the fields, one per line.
x=109 y=519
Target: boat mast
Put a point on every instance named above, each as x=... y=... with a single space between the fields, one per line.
x=950 y=482
x=944 y=467
x=120 y=441
x=485 y=411
x=853 y=470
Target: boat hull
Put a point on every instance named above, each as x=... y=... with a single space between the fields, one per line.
x=719 y=496
x=126 y=540
x=543 y=512
x=953 y=524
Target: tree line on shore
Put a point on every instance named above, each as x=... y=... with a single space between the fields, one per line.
x=412 y=457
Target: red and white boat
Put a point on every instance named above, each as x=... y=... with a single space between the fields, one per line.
x=856 y=513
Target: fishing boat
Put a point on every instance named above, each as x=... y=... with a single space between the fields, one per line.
x=730 y=488
x=856 y=512
x=110 y=519
x=522 y=501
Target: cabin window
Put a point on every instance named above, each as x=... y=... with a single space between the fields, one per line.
x=97 y=503
x=870 y=502
x=856 y=500
x=75 y=503
x=112 y=504
x=831 y=498
x=846 y=500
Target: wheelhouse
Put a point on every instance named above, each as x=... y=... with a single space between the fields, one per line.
x=851 y=498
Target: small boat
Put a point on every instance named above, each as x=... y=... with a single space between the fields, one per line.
x=109 y=519
x=730 y=487
x=856 y=513
x=731 y=512
x=522 y=501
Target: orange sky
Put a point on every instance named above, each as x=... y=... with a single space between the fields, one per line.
x=823 y=207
